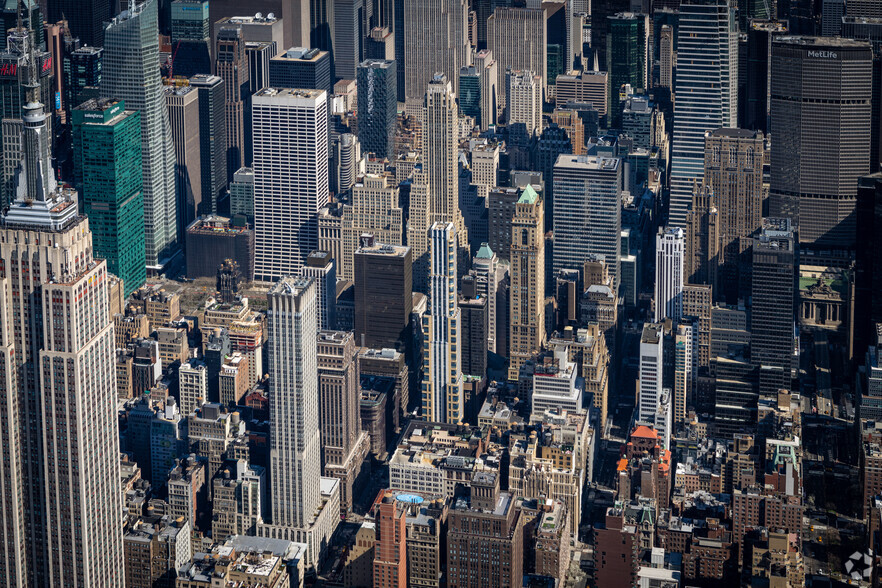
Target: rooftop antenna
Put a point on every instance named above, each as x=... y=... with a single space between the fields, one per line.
x=33 y=80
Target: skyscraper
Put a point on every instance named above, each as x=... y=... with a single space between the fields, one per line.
x=441 y=155
x=107 y=164
x=626 y=55
x=300 y=18
x=231 y=65
x=322 y=268
x=523 y=102
x=527 y=314
x=344 y=445
x=377 y=107
x=703 y=239
x=733 y=172
x=14 y=94
x=441 y=45
x=290 y=177
x=383 y=295
x=669 y=256
x=85 y=19
x=814 y=176
x=706 y=90
x=131 y=73
x=374 y=209
x=666 y=57
x=774 y=304
x=82 y=75
x=190 y=37
x=475 y=325
x=443 y=399
x=587 y=211
x=59 y=390
x=349 y=35
x=485 y=268
x=212 y=141
x=755 y=111
x=517 y=38
x=183 y=117
x=470 y=93
x=868 y=262
x=650 y=372
x=301 y=67
x=489 y=79
x=295 y=449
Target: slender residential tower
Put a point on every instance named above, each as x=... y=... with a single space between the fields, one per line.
x=443 y=397
x=670 y=250
x=231 y=64
x=131 y=73
x=60 y=517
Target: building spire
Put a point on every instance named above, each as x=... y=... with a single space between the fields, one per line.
x=38 y=200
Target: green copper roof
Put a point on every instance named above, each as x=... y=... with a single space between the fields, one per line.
x=484 y=252
x=528 y=195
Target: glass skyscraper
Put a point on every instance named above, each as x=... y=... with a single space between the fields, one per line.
x=706 y=92
x=627 y=47
x=377 y=107
x=107 y=168
x=131 y=73
x=470 y=93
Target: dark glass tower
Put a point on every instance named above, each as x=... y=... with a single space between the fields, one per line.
x=107 y=172
x=470 y=93
x=626 y=58
x=774 y=307
x=212 y=142
x=868 y=268
x=377 y=106
x=190 y=35
x=82 y=75
x=85 y=18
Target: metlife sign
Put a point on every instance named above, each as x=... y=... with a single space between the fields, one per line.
x=822 y=54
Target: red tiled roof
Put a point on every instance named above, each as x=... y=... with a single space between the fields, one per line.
x=645 y=432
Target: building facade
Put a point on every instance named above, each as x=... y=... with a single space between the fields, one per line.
x=290 y=177
x=706 y=90
x=443 y=399
x=527 y=294
x=131 y=73
x=107 y=153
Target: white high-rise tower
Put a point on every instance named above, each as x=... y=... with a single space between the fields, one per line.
x=669 y=255
x=303 y=504
x=295 y=450
x=444 y=401
x=290 y=129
